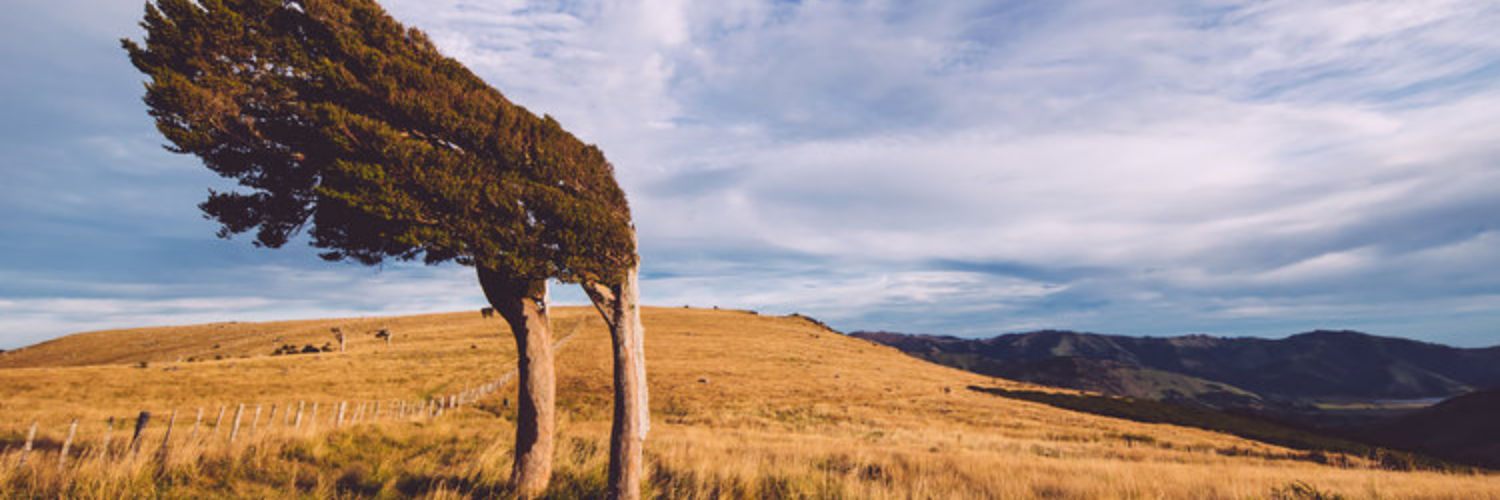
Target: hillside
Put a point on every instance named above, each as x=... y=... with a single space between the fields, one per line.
x=1118 y=379
x=1322 y=365
x=744 y=406
x=231 y=340
x=1466 y=428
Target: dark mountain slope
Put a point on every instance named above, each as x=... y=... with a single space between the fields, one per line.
x=1119 y=379
x=1315 y=365
x=1328 y=364
x=1465 y=428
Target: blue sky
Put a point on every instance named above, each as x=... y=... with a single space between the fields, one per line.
x=964 y=167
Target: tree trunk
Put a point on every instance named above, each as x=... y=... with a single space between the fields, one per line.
x=523 y=305
x=620 y=305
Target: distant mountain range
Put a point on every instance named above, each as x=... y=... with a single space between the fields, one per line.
x=1360 y=384
x=1320 y=365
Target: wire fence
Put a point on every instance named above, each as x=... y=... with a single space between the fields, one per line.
x=163 y=436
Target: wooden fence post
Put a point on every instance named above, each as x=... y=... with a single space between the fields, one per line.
x=26 y=450
x=108 y=433
x=219 y=422
x=343 y=405
x=62 y=458
x=140 y=427
x=193 y=437
x=312 y=420
x=166 y=439
x=235 y=431
x=255 y=422
x=300 y=406
x=271 y=420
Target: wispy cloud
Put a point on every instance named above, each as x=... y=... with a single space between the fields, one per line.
x=256 y=293
x=969 y=167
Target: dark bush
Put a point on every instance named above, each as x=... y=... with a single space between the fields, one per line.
x=1298 y=490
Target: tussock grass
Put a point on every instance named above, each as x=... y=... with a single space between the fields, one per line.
x=744 y=406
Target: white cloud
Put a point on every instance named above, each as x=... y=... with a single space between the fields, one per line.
x=260 y=293
x=1129 y=166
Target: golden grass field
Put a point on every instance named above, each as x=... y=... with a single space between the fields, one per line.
x=743 y=406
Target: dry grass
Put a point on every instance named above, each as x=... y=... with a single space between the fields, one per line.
x=743 y=407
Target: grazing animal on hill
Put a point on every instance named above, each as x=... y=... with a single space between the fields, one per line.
x=488 y=312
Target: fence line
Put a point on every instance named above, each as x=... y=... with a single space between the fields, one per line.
x=26 y=451
x=62 y=458
x=364 y=412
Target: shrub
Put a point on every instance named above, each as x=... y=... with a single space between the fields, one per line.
x=1298 y=490
x=286 y=349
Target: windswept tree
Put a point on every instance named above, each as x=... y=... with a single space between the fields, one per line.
x=343 y=125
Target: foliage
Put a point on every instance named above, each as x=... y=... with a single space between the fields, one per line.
x=288 y=349
x=1298 y=490
x=337 y=118
x=814 y=321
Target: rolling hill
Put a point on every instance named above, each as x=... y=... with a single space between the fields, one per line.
x=744 y=406
x=1466 y=428
x=1315 y=366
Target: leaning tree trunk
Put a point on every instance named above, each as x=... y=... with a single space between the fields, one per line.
x=522 y=302
x=620 y=306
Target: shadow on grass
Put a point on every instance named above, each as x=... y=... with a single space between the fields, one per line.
x=1315 y=447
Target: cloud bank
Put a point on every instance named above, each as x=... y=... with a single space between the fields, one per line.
x=1154 y=167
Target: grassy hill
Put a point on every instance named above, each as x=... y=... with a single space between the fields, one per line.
x=744 y=406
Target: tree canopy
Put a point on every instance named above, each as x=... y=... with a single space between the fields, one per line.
x=342 y=123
